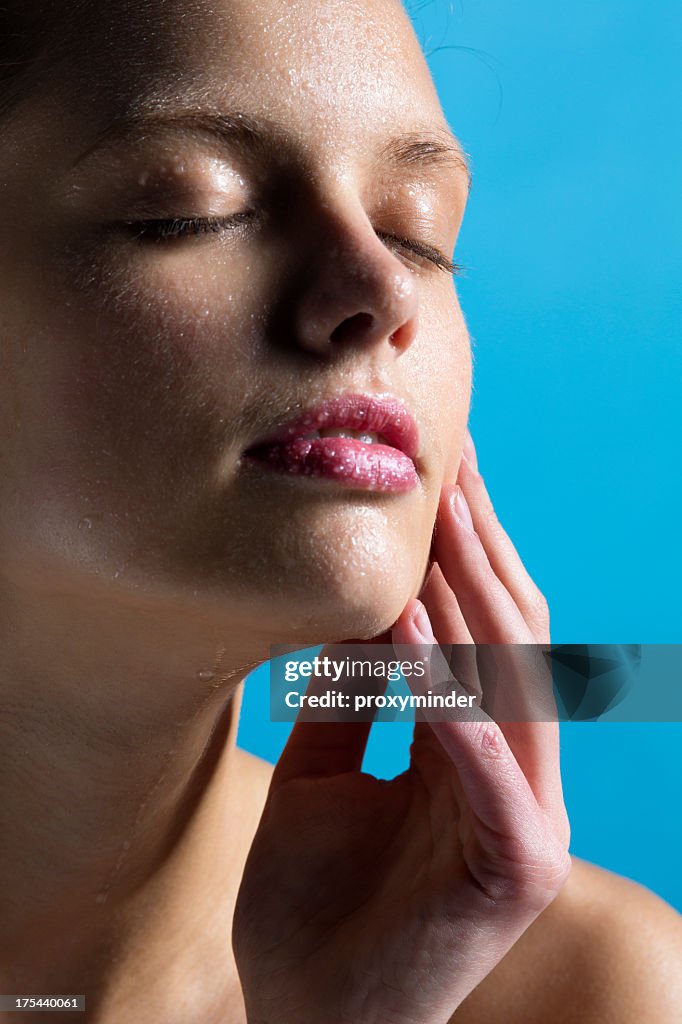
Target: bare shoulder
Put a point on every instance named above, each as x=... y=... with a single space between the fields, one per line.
x=606 y=950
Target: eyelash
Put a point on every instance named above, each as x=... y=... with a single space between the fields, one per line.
x=178 y=227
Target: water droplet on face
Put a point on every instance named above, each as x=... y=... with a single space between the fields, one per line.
x=85 y=523
x=402 y=287
x=126 y=844
x=205 y=675
x=101 y=897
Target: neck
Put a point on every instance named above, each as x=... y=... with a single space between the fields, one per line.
x=125 y=806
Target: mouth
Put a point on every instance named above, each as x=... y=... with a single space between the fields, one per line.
x=363 y=441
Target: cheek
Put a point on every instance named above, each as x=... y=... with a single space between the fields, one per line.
x=179 y=331
x=127 y=393
x=155 y=367
x=447 y=367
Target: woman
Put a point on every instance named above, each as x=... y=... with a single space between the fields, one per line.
x=216 y=218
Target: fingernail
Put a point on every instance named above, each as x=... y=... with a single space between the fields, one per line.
x=421 y=621
x=469 y=450
x=461 y=509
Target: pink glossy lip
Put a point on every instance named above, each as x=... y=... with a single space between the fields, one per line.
x=386 y=465
x=365 y=413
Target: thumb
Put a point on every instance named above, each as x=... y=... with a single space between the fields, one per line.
x=320 y=743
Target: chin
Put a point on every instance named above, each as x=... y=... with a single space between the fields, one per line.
x=336 y=624
x=359 y=621
x=346 y=606
x=325 y=575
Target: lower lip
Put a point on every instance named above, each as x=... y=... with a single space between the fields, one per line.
x=351 y=463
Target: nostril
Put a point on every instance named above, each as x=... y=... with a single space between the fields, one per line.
x=355 y=325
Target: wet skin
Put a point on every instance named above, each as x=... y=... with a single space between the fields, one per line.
x=144 y=567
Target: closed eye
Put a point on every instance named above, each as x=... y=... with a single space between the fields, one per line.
x=179 y=227
x=427 y=252
x=161 y=229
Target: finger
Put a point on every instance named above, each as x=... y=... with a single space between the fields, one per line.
x=494 y=618
x=491 y=780
x=503 y=556
x=446 y=615
x=424 y=742
x=522 y=702
x=489 y=610
x=320 y=749
x=450 y=628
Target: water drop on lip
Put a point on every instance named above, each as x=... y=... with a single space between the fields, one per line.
x=205 y=675
x=85 y=523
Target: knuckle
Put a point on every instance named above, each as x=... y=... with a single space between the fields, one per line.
x=527 y=884
x=544 y=878
x=559 y=871
x=488 y=736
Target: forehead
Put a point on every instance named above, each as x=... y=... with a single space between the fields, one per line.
x=332 y=70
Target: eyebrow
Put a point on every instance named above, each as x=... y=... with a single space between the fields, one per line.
x=426 y=147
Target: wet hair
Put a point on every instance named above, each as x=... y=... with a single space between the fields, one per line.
x=40 y=37
x=35 y=35
x=18 y=47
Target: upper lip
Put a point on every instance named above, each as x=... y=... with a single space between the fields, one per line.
x=378 y=414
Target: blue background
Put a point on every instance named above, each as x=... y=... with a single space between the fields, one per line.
x=572 y=241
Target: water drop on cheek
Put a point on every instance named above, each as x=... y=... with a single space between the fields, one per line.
x=85 y=523
x=205 y=675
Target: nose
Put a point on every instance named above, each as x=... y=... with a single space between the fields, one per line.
x=353 y=290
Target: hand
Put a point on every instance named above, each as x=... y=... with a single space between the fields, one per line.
x=388 y=901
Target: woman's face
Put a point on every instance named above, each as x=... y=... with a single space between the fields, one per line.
x=137 y=369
